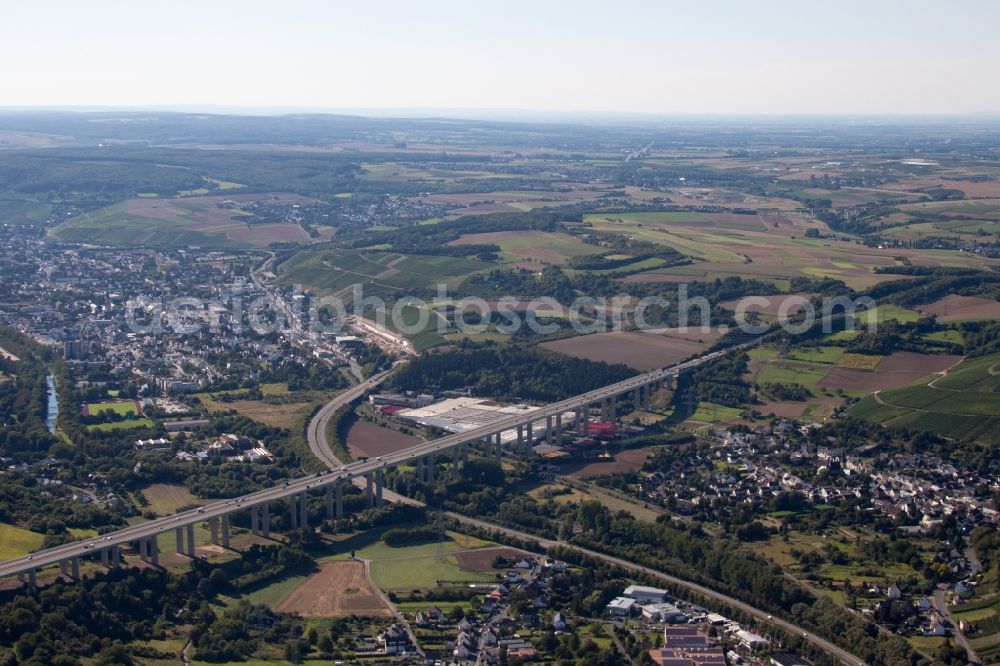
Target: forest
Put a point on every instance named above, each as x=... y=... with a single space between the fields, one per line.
x=508 y=371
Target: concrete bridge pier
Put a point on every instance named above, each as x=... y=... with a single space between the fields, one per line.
x=33 y=578
x=266 y=520
x=329 y=502
x=104 y=557
x=418 y=469
x=225 y=530
x=75 y=565
x=455 y=452
x=190 y=541
x=179 y=537
x=559 y=429
x=429 y=464
x=612 y=417
x=520 y=438
x=368 y=490
x=340 y=500
x=255 y=519
x=62 y=568
x=304 y=507
x=549 y=437
x=152 y=550
x=141 y=547
x=213 y=527
x=380 y=481
x=531 y=434
x=499 y=450
x=116 y=556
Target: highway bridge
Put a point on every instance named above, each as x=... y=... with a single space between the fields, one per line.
x=547 y=422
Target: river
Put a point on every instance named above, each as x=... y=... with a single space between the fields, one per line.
x=53 y=413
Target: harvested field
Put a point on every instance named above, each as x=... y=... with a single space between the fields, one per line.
x=859 y=361
x=279 y=416
x=626 y=461
x=339 y=589
x=482 y=558
x=962 y=308
x=369 y=439
x=642 y=350
x=735 y=221
x=894 y=370
x=814 y=408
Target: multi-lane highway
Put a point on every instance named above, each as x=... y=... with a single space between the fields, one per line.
x=342 y=474
x=316 y=433
x=356 y=472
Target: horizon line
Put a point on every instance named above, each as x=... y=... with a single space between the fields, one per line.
x=473 y=113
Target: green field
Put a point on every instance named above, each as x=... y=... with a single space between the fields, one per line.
x=411 y=567
x=949 y=335
x=790 y=373
x=167 y=498
x=378 y=272
x=708 y=412
x=121 y=408
x=563 y=244
x=16 y=541
x=884 y=313
x=131 y=424
x=984 y=615
x=824 y=355
x=113 y=226
x=18 y=211
x=963 y=404
x=667 y=216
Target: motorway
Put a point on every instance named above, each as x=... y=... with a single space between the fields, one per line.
x=356 y=472
x=345 y=473
x=321 y=449
x=316 y=433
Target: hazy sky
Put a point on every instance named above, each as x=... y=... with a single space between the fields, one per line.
x=877 y=56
